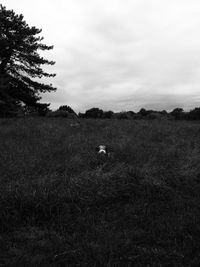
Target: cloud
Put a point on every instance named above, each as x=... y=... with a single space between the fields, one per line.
x=120 y=54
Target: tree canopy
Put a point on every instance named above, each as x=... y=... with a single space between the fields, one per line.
x=20 y=62
x=67 y=108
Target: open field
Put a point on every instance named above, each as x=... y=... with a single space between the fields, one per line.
x=62 y=205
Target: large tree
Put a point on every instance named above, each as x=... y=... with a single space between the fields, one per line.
x=20 y=62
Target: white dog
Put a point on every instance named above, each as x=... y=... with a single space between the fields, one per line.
x=103 y=150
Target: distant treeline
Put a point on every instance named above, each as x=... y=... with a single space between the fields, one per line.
x=177 y=114
x=97 y=113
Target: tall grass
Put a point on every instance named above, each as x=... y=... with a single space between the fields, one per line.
x=63 y=205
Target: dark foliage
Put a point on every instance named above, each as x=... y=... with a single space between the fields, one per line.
x=130 y=112
x=143 y=112
x=94 y=113
x=163 y=112
x=67 y=108
x=177 y=113
x=107 y=114
x=194 y=114
x=180 y=114
x=122 y=115
x=81 y=115
x=39 y=109
x=154 y=115
x=20 y=63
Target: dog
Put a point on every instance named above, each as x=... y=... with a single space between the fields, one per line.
x=103 y=150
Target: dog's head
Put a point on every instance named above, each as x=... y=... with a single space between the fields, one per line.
x=102 y=150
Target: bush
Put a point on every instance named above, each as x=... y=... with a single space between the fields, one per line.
x=155 y=115
x=143 y=112
x=107 y=114
x=194 y=114
x=123 y=115
x=94 y=113
x=67 y=108
x=177 y=113
x=137 y=116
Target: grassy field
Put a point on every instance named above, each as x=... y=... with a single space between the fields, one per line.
x=63 y=205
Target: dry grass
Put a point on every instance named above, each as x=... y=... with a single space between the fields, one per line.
x=62 y=205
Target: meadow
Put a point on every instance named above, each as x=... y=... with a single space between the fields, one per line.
x=63 y=205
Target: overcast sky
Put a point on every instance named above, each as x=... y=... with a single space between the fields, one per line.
x=119 y=54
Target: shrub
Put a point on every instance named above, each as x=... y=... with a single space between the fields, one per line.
x=107 y=114
x=123 y=115
x=177 y=113
x=137 y=116
x=143 y=112
x=155 y=115
x=194 y=114
x=94 y=113
x=67 y=108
